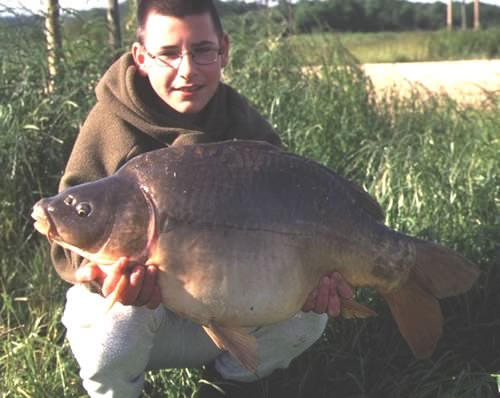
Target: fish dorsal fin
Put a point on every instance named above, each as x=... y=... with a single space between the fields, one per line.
x=237 y=341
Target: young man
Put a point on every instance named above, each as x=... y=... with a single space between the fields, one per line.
x=166 y=91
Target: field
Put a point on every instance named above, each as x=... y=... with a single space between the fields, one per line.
x=419 y=46
x=430 y=161
x=469 y=82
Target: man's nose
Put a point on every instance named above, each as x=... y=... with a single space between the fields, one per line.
x=186 y=65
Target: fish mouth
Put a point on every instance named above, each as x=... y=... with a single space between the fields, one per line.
x=42 y=223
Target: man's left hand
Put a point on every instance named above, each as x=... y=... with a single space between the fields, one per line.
x=326 y=297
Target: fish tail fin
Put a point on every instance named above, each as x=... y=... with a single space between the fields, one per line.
x=442 y=271
x=439 y=272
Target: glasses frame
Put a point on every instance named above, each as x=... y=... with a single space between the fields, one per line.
x=181 y=56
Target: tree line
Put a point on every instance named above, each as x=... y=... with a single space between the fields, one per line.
x=383 y=15
x=302 y=16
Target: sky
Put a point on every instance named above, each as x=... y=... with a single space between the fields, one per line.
x=38 y=5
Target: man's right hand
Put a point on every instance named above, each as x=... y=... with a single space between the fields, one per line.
x=142 y=281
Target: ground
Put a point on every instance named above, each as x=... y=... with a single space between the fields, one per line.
x=468 y=82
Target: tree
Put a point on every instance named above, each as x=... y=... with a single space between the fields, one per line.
x=449 y=15
x=476 y=14
x=54 y=43
x=463 y=12
x=114 y=29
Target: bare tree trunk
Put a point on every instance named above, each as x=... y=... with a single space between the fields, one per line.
x=449 y=15
x=463 y=12
x=476 y=15
x=131 y=22
x=290 y=17
x=54 y=43
x=114 y=30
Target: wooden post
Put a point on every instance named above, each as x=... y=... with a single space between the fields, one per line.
x=290 y=17
x=463 y=12
x=476 y=15
x=54 y=43
x=114 y=29
x=449 y=15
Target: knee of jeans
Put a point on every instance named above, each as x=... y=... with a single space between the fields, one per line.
x=86 y=310
x=305 y=330
x=116 y=347
x=301 y=330
x=104 y=342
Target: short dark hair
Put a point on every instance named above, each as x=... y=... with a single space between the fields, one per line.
x=176 y=8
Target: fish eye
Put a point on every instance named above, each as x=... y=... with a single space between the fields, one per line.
x=69 y=200
x=83 y=209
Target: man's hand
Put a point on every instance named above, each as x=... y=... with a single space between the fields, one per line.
x=141 y=282
x=326 y=297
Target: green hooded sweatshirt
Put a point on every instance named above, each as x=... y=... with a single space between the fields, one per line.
x=129 y=119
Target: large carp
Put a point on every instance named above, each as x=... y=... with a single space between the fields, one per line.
x=241 y=233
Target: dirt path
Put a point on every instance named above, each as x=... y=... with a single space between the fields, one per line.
x=469 y=82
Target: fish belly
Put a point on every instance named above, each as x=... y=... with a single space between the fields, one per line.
x=237 y=277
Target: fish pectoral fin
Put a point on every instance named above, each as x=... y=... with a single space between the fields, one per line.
x=351 y=309
x=237 y=341
x=418 y=315
x=117 y=293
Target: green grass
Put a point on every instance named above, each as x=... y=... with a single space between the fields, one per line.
x=431 y=164
x=419 y=46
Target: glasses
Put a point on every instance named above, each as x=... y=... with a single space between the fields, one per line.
x=200 y=56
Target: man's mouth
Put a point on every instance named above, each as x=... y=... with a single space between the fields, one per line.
x=189 y=89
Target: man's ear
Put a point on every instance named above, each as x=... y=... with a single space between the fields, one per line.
x=225 y=49
x=140 y=57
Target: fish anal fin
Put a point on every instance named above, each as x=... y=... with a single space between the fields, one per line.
x=351 y=309
x=237 y=341
x=418 y=316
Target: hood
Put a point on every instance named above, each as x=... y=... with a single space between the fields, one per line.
x=131 y=97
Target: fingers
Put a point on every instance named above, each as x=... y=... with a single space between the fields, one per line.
x=155 y=299
x=318 y=300
x=326 y=297
x=343 y=288
x=113 y=276
x=333 y=298
x=322 y=298
x=145 y=287
x=136 y=279
x=88 y=273
x=142 y=288
x=137 y=286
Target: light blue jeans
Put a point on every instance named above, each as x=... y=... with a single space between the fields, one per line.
x=114 y=349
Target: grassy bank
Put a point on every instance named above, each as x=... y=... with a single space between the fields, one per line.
x=432 y=166
x=417 y=46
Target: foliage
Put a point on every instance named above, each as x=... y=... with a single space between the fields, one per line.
x=482 y=44
x=383 y=15
x=432 y=165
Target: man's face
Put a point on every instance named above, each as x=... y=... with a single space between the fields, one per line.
x=189 y=87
